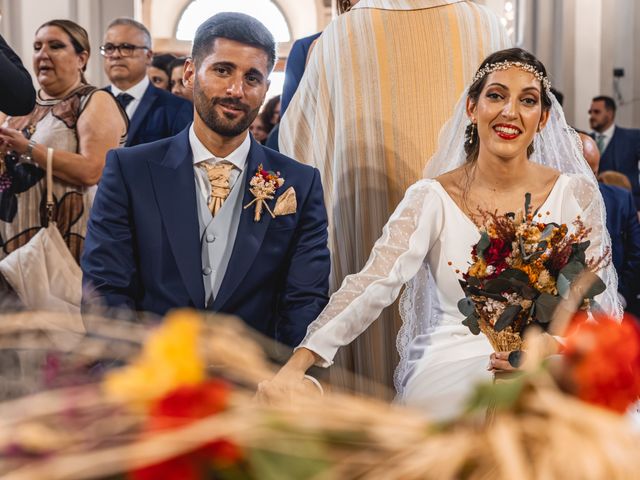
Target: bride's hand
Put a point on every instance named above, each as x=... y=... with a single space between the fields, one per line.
x=281 y=386
x=499 y=362
x=289 y=381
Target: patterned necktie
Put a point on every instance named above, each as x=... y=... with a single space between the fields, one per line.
x=600 y=142
x=124 y=99
x=218 y=175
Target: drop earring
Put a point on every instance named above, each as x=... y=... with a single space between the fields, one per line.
x=473 y=130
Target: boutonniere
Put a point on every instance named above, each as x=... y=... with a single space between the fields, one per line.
x=263 y=186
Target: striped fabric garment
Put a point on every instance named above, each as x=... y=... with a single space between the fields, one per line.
x=380 y=83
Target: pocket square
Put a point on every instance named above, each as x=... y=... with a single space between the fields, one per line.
x=286 y=203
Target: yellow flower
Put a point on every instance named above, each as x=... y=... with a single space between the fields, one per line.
x=478 y=269
x=169 y=359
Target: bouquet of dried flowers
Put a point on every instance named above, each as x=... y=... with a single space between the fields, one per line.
x=521 y=269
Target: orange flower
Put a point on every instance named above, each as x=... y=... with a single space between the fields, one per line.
x=604 y=361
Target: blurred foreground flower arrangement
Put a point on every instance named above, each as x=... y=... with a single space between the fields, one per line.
x=183 y=408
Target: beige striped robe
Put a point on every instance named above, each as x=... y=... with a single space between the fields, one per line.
x=380 y=82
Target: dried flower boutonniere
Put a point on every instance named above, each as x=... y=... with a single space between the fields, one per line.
x=263 y=186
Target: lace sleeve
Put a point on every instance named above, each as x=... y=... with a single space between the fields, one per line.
x=396 y=257
x=584 y=199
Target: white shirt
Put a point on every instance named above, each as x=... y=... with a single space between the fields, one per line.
x=201 y=154
x=137 y=91
x=607 y=135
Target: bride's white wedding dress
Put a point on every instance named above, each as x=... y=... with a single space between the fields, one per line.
x=429 y=236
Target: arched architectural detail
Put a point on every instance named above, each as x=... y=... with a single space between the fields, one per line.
x=303 y=18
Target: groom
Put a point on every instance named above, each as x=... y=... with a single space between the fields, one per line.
x=210 y=219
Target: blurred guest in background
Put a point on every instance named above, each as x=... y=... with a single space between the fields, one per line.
x=619 y=147
x=609 y=177
x=158 y=71
x=258 y=130
x=624 y=229
x=271 y=119
x=78 y=121
x=17 y=95
x=176 y=83
x=154 y=113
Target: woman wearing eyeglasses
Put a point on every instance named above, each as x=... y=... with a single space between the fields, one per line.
x=78 y=121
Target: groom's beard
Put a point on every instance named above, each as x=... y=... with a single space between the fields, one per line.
x=221 y=124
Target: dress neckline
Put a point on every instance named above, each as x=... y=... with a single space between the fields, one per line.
x=450 y=199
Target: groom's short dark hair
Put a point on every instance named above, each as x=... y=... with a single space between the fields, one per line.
x=233 y=26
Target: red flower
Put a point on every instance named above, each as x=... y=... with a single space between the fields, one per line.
x=604 y=361
x=497 y=251
x=189 y=402
x=179 y=408
x=194 y=465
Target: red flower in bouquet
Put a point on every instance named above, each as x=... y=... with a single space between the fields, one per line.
x=604 y=361
x=496 y=254
x=179 y=408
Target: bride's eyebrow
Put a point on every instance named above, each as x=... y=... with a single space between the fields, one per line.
x=535 y=89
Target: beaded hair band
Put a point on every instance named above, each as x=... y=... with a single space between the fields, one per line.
x=492 y=67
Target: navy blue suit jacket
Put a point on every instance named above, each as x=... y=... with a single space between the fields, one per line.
x=622 y=155
x=624 y=228
x=159 y=115
x=142 y=249
x=294 y=69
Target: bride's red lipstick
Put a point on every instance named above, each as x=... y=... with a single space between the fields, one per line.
x=506 y=131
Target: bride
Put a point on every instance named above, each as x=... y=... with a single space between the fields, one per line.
x=508 y=136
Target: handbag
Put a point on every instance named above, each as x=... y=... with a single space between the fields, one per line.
x=43 y=273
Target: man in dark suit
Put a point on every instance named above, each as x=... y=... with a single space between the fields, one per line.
x=624 y=229
x=190 y=221
x=153 y=113
x=17 y=95
x=619 y=147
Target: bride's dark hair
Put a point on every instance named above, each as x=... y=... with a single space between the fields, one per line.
x=472 y=141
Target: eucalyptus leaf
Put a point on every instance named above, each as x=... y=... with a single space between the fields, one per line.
x=515 y=358
x=507 y=317
x=571 y=270
x=466 y=306
x=527 y=203
x=548 y=230
x=545 y=306
x=471 y=322
x=497 y=285
x=597 y=286
x=515 y=274
x=483 y=243
x=578 y=252
x=480 y=292
x=563 y=285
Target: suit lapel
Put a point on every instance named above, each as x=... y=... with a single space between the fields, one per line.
x=175 y=191
x=146 y=101
x=250 y=233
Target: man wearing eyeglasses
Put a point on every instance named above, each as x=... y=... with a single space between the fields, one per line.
x=153 y=113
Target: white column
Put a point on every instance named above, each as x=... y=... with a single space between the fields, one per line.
x=588 y=42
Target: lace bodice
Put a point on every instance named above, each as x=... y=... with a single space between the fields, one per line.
x=427 y=236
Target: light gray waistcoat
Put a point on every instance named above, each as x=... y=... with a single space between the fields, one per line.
x=217 y=236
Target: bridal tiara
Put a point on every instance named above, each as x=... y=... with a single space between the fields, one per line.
x=492 y=67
